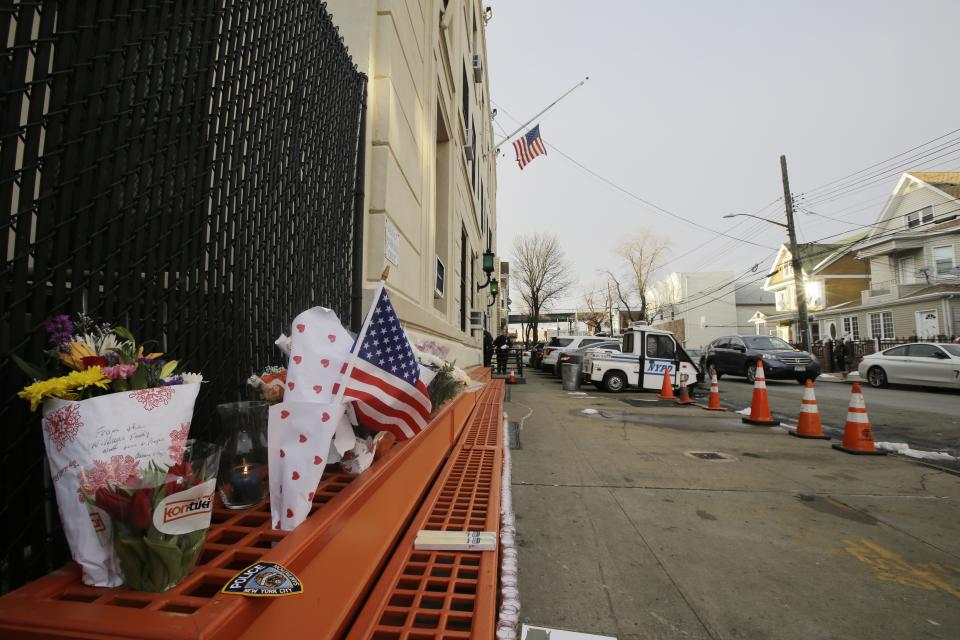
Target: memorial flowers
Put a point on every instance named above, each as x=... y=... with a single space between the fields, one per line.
x=160 y=516
x=114 y=413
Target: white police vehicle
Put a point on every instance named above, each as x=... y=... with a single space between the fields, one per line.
x=645 y=355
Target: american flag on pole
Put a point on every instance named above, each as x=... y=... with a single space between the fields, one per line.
x=383 y=380
x=529 y=146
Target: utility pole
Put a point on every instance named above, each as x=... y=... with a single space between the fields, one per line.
x=801 y=294
x=610 y=308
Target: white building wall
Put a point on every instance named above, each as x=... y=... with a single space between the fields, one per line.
x=705 y=301
x=418 y=187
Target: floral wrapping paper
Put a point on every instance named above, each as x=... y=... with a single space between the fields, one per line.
x=108 y=440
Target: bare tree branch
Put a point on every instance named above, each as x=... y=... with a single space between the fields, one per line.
x=541 y=271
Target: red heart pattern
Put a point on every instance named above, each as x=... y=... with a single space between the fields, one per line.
x=289 y=514
x=317 y=460
x=284 y=413
x=295 y=476
x=291 y=385
x=298 y=359
x=317 y=388
x=301 y=327
x=332 y=338
x=303 y=438
x=324 y=417
x=310 y=496
x=283 y=453
x=325 y=363
x=336 y=388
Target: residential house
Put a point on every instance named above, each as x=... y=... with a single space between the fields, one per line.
x=913 y=253
x=430 y=192
x=830 y=275
x=701 y=306
x=754 y=306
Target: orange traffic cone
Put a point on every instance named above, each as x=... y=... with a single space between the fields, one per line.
x=857 y=435
x=760 y=406
x=713 y=404
x=808 y=425
x=666 y=391
x=513 y=376
x=684 y=396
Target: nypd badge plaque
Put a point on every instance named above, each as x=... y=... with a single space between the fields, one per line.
x=264 y=579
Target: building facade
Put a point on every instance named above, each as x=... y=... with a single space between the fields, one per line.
x=430 y=192
x=831 y=276
x=699 y=307
x=913 y=255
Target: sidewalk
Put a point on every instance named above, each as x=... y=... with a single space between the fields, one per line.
x=623 y=532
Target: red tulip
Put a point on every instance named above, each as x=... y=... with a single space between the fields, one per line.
x=141 y=509
x=116 y=504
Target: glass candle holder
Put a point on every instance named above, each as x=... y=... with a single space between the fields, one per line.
x=242 y=481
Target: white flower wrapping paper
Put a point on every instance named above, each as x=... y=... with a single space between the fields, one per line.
x=303 y=426
x=108 y=440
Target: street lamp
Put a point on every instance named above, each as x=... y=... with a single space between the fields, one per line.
x=488 y=257
x=798 y=285
x=494 y=290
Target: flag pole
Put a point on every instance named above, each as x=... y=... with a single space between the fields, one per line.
x=360 y=337
x=545 y=109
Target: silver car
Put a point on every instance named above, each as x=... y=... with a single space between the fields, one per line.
x=929 y=364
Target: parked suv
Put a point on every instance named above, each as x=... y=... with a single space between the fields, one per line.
x=559 y=344
x=738 y=355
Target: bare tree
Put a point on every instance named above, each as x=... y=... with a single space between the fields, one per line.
x=541 y=272
x=594 y=309
x=641 y=256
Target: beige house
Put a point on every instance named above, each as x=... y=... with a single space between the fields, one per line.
x=830 y=276
x=913 y=253
x=430 y=210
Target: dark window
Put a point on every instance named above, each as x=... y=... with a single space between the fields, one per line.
x=463 y=279
x=628 y=343
x=465 y=89
x=896 y=351
x=923 y=351
x=660 y=347
x=589 y=341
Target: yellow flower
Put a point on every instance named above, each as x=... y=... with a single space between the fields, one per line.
x=66 y=387
x=77 y=351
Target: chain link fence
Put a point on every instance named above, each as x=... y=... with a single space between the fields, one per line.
x=186 y=169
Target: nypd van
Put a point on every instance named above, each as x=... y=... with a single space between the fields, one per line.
x=645 y=355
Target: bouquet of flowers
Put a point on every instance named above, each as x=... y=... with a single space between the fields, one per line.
x=446 y=380
x=160 y=518
x=110 y=408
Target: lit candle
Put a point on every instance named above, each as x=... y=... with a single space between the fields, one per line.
x=245 y=484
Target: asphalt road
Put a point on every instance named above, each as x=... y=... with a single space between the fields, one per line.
x=926 y=419
x=673 y=523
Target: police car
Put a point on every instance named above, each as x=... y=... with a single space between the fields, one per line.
x=645 y=355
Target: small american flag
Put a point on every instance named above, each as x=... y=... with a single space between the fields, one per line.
x=384 y=381
x=529 y=146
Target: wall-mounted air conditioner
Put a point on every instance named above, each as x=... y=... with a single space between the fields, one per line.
x=477 y=68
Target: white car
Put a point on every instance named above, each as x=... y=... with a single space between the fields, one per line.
x=560 y=344
x=929 y=364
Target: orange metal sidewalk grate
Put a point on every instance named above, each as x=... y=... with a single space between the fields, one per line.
x=236 y=540
x=59 y=605
x=447 y=594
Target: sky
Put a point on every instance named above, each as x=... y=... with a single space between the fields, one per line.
x=690 y=105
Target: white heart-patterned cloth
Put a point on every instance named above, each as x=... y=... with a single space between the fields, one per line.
x=302 y=428
x=299 y=435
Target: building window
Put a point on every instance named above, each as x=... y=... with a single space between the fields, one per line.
x=781 y=297
x=465 y=89
x=943 y=259
x=787 y=268
x=881 y=325
x=851 y=327
x=905 y=270
x=922 y=216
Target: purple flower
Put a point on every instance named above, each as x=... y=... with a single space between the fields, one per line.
x=59 y=330
x=173 y=380
x=158 y=362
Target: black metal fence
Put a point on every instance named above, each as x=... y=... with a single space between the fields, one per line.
x=186 y=169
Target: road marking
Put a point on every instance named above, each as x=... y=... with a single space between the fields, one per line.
x=890 y=567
